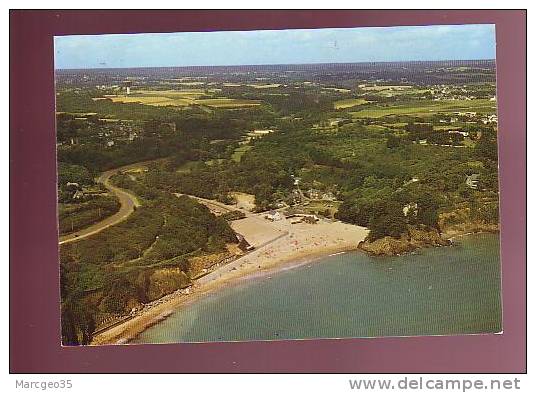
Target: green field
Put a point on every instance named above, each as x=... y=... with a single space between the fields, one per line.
x=240 y=151
x=181 y=98
x=428 y=108
x=75 y=216
x=226 y=102
x=351 y=102
x=265 y=86
x=187 y=167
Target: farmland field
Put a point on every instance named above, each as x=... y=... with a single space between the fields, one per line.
x=181 y=98
x=349 y=103
x=239 y=152
x=183 y=93
x=428 y=108
x=386 y=87
x=266 y=86
x=226 y=102
x=151 y=100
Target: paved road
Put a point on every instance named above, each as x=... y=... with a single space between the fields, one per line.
x=218 y=205
x=127 y=201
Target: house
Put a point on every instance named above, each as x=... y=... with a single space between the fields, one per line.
x=489 y=119
x=410 y=207
x=272 y=215
x=338 y=122
x=262 y=132
x=78 y=195
x=73 y=185
x=328 y=196
x=463 y=133
x=472 y=181
x=313 y=193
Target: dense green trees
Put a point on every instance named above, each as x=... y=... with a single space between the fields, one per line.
x=73 y=217
x=116 y=264
x=388 y=212
x=74 y=174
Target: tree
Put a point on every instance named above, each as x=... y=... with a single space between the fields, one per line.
x=427 y=209
x=388 y=220
x=73 y=173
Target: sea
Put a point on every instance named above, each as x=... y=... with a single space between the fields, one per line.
x=435 y=291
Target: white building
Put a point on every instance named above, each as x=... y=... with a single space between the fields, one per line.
x=262 y=132
x=273 y=216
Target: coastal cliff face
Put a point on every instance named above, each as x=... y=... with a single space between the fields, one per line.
x=165 y=281
x=462 y=221
x=413 y=239
x=416 y=238
x=468 y=227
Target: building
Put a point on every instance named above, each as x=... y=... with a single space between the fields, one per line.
x=263 y=132
x=272 y=215
x=328 y=196
x=314 y=193
x=127 y=85
x=78 y=195
x=490 y=119
x=463 y=133
x=73 y=186
x=410 y=207
x=472 y=181
x=338 y=122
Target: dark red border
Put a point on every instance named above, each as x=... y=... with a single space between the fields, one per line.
x=34 y=310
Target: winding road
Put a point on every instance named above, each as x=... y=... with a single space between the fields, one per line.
x=128 y=203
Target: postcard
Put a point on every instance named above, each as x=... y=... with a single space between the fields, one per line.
x=278 y=184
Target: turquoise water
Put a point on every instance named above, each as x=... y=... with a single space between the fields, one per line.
x=448 y=290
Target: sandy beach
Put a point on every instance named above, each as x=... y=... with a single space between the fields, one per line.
x=278 y=245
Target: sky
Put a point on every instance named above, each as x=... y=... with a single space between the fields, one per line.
x=300 y=46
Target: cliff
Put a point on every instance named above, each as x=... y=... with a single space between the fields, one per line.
x=413 y=239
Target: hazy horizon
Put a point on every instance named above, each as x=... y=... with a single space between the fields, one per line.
x=276 y=64
x=276 y=47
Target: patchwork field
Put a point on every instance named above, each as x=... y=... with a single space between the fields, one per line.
x=386 y=87
x=349 y=103
x=337 y=89
x=395 y=90
x=226 y=102
x=428 y=108
x=239 y=152
x=265 y=86
x=182 y=98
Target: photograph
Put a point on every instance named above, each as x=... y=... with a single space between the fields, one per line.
x=294 y=184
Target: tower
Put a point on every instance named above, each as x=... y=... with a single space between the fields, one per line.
x=127 y=85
